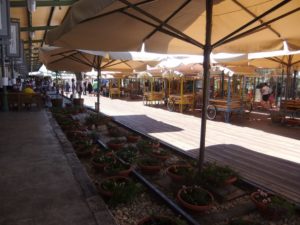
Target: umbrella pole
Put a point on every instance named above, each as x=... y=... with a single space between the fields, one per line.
x=99 y=59
x=4 y=100
x=206 y=65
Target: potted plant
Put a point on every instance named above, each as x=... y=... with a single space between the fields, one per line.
x=115 y=132
x=128 y=154
x=117 y=168
x=144 y=146
x=270 y=206
x=99 y=161
x=84 y=147
x=159 y=153
x=195 y=198
x=149 y=165
x=132 y=138
x=96 y=120
x=115 y=144
x=119 y=189
x=178 y=173
x=155 y=143
x=158 y=220
x=218 y=176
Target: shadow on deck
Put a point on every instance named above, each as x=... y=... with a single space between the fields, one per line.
x=146 y=124
x=275 y=174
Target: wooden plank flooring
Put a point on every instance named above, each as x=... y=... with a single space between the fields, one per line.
x=264 y=153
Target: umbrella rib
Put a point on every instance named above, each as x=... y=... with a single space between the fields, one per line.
x=256 y=29
x=108 y=63
x=84 y=56
x=116 y=10
x=167 y=20
x=295 y=62
x=187 y=39
x=276 y=59
x=178 y=32
x=253 y=15
x=231 y=35
x=61 y=54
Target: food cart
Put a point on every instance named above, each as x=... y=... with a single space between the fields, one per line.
x=153 y=88
x=231 y=91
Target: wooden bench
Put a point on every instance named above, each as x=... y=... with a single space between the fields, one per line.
x=23 y=100
x=290 y=108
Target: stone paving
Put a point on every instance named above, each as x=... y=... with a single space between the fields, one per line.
x=42 y=180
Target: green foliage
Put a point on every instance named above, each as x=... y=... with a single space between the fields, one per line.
x=96 y=119
x=196 y=196
x=149 y=161
x=100 y=158
x=275 y=206
x=215 y=175
x=115 y=132
x=116 y=167
x=128 y=154
x=182 y=170
x=144 y=146
x=124 y=191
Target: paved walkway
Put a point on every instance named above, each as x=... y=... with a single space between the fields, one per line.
x=262 y=152
x=43 y=183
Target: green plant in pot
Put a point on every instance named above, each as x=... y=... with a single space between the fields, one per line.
x=118 y=168
x=115 y=132
x=144 y=146
x=272 y=207
x=195 y=198
x=179 y=173
x=159 y=153
x=132 y=138
x=128 y=154
x=101 y=160
x=119 y=189
x=149 y=165
x=84 y=147
x=115 y=144
x=214 y=175
x=96 y=120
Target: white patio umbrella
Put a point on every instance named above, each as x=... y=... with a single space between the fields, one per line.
x=180 y=26
x=56 y=58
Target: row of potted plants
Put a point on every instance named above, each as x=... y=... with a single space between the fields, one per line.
x=149 y=158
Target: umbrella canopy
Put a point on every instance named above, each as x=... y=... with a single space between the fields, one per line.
x=276 y=60
x=56 y=58
x=178 y=26
x=59 y=59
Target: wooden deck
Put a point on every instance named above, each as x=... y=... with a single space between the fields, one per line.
x=264 y=153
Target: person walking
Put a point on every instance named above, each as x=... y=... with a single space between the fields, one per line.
x=90 y=88
x=265 y=92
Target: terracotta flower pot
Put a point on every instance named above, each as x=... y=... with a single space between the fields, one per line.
x=195 y=208
x=230 y=180
x=132 y=138
x=115 y=146
x=159 y=155
x=100 y=165
x=149 y=169
x=175 y=176
x=123 y=172
x=109 y=193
